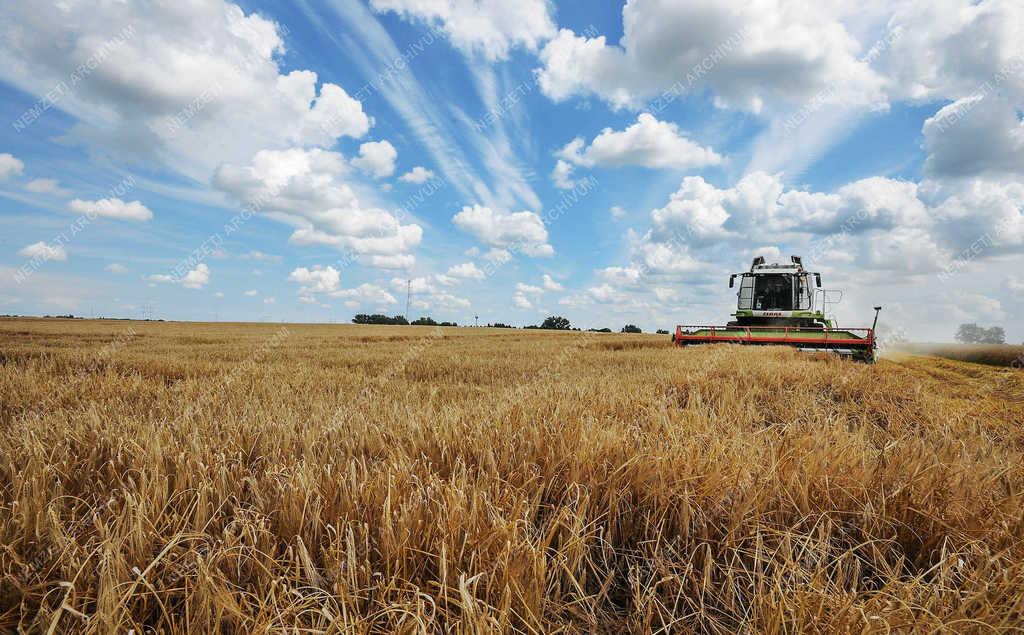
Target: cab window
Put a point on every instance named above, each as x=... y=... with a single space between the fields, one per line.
x=773 y=292
x=746 y=294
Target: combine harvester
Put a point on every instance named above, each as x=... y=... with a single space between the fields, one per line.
x=777 y=306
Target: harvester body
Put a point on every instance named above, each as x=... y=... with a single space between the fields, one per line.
x=783 y=304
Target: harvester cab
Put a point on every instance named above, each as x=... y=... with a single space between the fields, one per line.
x=784 y=304
x=779 y=295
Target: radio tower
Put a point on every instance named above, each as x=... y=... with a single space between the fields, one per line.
x=408 y=297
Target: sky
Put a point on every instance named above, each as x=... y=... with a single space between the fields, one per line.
x=609 y=162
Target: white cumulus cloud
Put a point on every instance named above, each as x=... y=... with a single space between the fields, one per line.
x=490 y=28
x=648 y=142
x=521 y=301
x=748 y=53
x=366 y=293
x=497 y=255
x=10 y=166
x=112 y=208
x=318 y=279
x=442 y=300
x=430 y=292
x=976 y=135
x=953 y=49
x=44 y=251
x=528 y=289
x=196 y=278
x=562 y=175
x=466 y=270
x=521 y=231
x=376 y=158
x=700 y=212
x=199 y=83
x=551 y=284
x=307 y=189
x=418 y=175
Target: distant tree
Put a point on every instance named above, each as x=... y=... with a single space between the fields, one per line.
x=974 y=334
x=448 y=324
x=662 y=332
x=968 y=333
x=631 y=328
x=995 y=335
x=604 y=330
x=424 y=321
x=500 y=325
x=556 y=323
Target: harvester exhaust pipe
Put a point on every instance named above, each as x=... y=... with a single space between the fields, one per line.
x=875 y=323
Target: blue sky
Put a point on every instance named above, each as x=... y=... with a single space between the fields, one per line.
x=611 y=162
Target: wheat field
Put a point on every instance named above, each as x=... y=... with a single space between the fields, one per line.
x=991 y=354
x=174 y=478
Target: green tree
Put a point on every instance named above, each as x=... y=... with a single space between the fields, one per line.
x=631 y=328
x=995 y=335
x=556 y=323
x=969 y=333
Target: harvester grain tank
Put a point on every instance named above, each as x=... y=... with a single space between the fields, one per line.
x=777 y=304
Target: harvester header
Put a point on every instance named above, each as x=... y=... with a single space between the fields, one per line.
x=783 y=304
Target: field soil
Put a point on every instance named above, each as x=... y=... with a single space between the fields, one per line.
x=172 y=477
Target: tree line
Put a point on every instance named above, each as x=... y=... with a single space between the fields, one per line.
x=550 y=323
x=399 y=320
x=974 y=334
